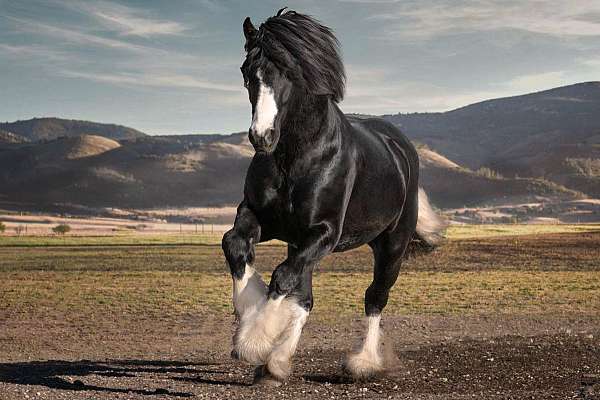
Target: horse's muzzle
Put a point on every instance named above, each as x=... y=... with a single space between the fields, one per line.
x=264 y=143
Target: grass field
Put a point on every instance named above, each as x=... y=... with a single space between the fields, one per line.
x=172 y=274
x=455 y=232
x=78 y=297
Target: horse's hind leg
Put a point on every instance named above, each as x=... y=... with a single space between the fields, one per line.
x=388 y=251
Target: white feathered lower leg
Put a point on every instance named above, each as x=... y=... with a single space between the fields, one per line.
x=261 y=321
x=249 y=291
x=279 y=362
x=369 y=360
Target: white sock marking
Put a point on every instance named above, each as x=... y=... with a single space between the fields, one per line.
x=368 y=360
x=248 y=292
x=279 y=363
x=261 y=320
x=371 y=344
x=269 y=329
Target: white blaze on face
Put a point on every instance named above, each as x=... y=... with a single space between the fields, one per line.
x=265 y=109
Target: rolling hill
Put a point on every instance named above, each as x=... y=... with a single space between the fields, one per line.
x=177 y=171
x=531 y=148
x=541 y=134
x=38 y=129
x=10 y=138
x=148 y=172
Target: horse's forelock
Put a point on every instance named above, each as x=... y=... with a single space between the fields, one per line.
x=303 y=49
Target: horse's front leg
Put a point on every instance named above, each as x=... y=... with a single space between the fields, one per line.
x=249 y=290
x=295 y=307
x=260 y=321
x=290 y=298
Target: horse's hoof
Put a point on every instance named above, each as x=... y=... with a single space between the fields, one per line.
x=253 y=353
x=262 y=377
x=362 y=367
x=279 y=368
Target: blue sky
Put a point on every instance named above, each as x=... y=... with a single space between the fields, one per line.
x=173 y=66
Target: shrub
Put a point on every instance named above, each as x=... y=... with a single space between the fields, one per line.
x=2 y=227
x=61 y=229
x=488 y=173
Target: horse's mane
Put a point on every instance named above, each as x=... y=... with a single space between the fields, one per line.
x=303 y=49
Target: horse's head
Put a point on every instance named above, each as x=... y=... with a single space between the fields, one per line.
x=268 y=90
x=290 y=56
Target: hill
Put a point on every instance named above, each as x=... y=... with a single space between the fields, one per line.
x=145 y=173
x=450 y=185
x=182 y=171
x=38 y=129
x=538 y=147
x=10 y=138
x=547 y=134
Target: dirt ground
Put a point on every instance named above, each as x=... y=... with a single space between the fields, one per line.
x=107 y=352
x=437 y=358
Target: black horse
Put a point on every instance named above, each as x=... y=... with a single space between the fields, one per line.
x=320 y=181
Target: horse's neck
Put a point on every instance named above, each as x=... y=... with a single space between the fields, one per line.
x=311 y=124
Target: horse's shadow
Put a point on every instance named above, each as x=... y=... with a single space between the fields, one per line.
x=51 y=374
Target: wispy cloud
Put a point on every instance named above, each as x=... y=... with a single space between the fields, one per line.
x=129 y=63
x=126 y=20
x=426 y=19
x=32 y=50
x=155 y=80
x=370 y=1
x=536 y=82
x=72 y=36
x=376 y=91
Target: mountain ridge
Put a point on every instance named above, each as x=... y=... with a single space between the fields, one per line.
x=540 y=145
x=531 y=135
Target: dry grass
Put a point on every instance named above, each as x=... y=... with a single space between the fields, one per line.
x=456 y=232
x=170 y=294
x=170 y=276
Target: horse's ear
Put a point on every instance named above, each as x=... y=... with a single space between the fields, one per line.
x=249 y=30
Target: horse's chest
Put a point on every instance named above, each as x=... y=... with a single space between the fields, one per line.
x=273 y=202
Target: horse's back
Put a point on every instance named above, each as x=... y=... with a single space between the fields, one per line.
x=377 y=130
x=378 y=126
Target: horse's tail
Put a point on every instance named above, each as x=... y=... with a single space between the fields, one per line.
x=430 y=227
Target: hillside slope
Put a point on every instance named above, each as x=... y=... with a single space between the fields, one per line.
x=450 y=185
x=37 y=129
x=148 y=172
x=180 y=171
x=10 y=138
x=534 y=135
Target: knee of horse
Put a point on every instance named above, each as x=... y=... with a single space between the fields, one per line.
x=375 y=299
x=238 y=251
x=284 y=280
